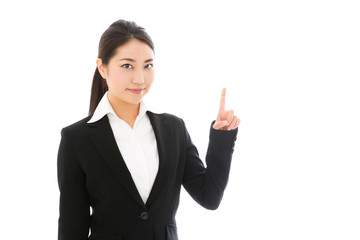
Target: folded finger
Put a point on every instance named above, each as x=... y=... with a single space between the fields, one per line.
x=232 y=123
x=219 y=124
x=230 y=115
x=237 y=123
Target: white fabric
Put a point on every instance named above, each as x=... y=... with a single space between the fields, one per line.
x=137 y=145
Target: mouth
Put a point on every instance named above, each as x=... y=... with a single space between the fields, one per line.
x=136 y=90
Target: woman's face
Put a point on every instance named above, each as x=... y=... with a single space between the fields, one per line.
x=129 y=73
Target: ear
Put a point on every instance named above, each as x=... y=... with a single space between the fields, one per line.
x=101 y=67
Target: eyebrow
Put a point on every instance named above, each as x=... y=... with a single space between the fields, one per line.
x=132 y=60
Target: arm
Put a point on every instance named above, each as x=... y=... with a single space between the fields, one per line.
x=207 y=185
x=74 y=217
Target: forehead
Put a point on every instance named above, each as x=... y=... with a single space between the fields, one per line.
x=134 y=49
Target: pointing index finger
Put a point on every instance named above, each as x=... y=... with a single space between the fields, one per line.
x=222 y=100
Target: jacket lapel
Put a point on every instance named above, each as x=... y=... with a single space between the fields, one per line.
x=161 y=140
x=104 y=141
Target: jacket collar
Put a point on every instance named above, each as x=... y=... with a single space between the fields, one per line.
x=103 y=139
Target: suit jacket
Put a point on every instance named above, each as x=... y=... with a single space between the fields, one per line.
x=92 y=173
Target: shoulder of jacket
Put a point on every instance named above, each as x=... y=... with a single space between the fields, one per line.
x=161 y=116
x=77 y=126
x=172 y=117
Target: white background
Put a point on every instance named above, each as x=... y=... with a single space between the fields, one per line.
x=292 y=73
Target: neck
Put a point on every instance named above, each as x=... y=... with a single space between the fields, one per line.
x=125 y=111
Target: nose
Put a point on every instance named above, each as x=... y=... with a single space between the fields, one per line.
x=138 y=77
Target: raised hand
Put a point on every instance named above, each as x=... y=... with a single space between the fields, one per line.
x=226 y=120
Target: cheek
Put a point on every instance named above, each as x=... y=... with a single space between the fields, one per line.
x=149 y=77
x=119 y=78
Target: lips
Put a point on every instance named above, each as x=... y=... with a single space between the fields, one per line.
x=136 y=90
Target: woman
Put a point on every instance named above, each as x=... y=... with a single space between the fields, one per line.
x=126 y=163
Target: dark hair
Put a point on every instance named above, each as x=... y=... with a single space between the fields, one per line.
x=119 y=33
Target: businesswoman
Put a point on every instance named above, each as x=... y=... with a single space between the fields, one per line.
x=120 y=169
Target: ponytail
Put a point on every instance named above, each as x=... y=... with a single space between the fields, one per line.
x=98 y=89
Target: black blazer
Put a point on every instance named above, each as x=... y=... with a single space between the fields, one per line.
x=92 y=172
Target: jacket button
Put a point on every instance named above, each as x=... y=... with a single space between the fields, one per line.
x=144 y=215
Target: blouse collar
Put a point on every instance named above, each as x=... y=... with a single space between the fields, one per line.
x=104 y=108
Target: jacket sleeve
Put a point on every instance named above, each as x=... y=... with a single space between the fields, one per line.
x=206 y=185
x=74 y=217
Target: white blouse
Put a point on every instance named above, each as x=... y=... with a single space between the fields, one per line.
x=137 y=145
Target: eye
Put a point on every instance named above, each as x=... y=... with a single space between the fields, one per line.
x=127 y=66
x=150 y=65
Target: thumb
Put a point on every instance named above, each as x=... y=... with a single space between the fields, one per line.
x=220 y=124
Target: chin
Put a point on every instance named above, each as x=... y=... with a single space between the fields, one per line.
x=135 y=100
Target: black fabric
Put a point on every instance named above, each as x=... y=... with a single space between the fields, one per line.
x=92 y=173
